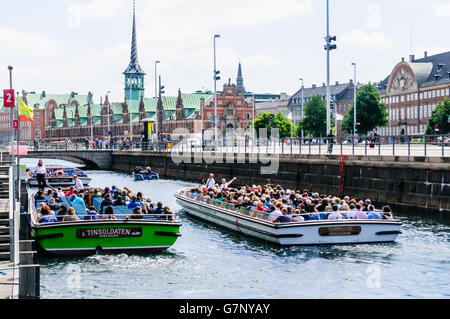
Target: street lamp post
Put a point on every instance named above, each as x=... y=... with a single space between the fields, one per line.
x=354 y=105
x=109 y=111
x=10 y=68
x=156 y=94
x=303 y=102
x=328 y=48
x=216 y=77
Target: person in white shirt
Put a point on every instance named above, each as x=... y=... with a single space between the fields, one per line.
x=41 y=173
x=78 y=184
x=225 y=185
x=210 y=183
x=335 y=215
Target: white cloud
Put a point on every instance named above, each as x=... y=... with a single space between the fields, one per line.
x=29 y=45
x=360 y=40
x=442 y=10
x=374 y=18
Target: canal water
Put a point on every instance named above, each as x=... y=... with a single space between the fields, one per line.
x=208 y=262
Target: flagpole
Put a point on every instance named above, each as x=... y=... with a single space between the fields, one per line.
x=18 y=147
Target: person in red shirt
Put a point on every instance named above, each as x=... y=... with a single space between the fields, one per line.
x=70 y=192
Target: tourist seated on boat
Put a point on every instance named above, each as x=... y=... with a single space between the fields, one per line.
x=113 y=190
x=260 y=207
x=119 y=201
x=359 y=213
x=53 y=205
x=39 y=196
x=276 y=212
x=352 y=212
x=92 y=214
x=297 y=217
x=137 y=213
x=335 y=215
x=140 y=197
x=61 y=213
x=60 y=193
x=134 y=203
x=45 y=216
x=96 y=193
x=107 y=201
x=167 y=211
x=373 y=214
x=79 y=200
x=106 y=192
x=284 y=218
x=70 y=192
x=159 y=209
x=109 y=213
x=387 y=213
x=220 y=197
x=71 y=216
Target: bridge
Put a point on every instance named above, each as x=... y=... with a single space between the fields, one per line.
x=96 y=159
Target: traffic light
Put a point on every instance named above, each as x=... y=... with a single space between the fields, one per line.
x=329 y=45
x=217 y=78
x=161 y=90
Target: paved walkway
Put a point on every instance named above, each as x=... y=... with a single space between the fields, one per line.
x=6 y=280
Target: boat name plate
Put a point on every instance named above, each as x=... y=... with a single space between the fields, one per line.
x=340 y=231
x=89 y=233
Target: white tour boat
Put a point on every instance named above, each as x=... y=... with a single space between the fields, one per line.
x=314 y=232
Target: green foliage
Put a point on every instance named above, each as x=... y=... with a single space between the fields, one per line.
x=370 y=112
x=315 y=122
x=270 y=121
x=440 y=117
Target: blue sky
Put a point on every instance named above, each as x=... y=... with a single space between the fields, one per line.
x=83 y=45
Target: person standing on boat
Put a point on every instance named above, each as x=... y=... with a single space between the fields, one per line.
x=210 y=183
x=41 y=173
x=78 y=184
x=225 y=185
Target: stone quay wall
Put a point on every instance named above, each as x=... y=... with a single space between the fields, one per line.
x=408 y=184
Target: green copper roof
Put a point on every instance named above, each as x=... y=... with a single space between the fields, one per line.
x=39 y=98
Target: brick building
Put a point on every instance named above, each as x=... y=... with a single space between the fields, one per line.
x=412 y=91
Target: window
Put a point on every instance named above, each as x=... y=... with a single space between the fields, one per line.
x=420 y=112
x=402 y=98
x=447 y=92
x=421 y=96
x=402 y=112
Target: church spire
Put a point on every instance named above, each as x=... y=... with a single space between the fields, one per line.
x=134 y=75
x=134 y=66
x=240 y=81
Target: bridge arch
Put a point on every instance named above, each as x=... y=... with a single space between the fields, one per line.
x=93 y=159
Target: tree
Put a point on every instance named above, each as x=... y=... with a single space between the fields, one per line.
x=270 y=121
x=370 y=112
x=440 y=117
x=315 y=121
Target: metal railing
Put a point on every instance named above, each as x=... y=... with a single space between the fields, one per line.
x=390 y=145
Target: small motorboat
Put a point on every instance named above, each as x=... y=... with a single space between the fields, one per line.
x=89 y=236
x=144 y=175
x=319 y=231
x=61 y=176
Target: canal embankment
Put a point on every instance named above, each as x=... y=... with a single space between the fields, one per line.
x=408 y=184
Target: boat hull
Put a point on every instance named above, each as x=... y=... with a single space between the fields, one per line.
x=141 y=177
x=109 y=237
x=294 y=234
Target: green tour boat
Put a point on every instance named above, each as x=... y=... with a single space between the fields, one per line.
x=88 y=236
